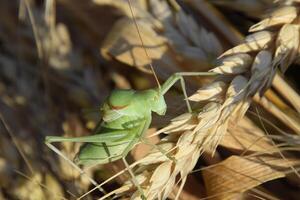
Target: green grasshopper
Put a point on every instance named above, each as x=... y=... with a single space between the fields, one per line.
x=127 y=115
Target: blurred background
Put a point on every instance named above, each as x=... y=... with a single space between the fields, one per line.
x=59 y=59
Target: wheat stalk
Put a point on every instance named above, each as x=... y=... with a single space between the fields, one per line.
x=244 y=70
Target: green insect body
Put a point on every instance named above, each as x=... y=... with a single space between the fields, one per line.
x=126 y=117
x=127 y=113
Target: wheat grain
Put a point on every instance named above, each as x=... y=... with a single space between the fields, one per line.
x=245 y=70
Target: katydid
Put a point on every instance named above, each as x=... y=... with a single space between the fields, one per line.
x=126 y=117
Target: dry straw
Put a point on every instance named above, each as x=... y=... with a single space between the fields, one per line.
x=244 y=70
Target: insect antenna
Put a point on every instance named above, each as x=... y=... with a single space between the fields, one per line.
x=142 y=42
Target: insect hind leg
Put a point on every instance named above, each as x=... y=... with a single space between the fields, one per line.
x=57 y=151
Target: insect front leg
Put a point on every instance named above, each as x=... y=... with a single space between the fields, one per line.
x=179 y=76
x=161 y=150
x=182 y=83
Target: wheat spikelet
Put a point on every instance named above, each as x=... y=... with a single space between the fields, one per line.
x=244 y=70
x=172 y=39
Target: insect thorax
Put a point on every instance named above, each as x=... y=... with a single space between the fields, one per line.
x=119 y=99
x=131 y=102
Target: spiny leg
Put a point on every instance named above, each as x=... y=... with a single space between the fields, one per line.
x=135 y=182
x=53 y=148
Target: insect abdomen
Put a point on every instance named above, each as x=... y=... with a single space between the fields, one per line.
x=100 y=153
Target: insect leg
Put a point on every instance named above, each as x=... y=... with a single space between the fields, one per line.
x=182 y=83
x=103 y=137
x=161 y=150
x=182 y=74
x=53 y=148
x=179 y=76
x=134 y=179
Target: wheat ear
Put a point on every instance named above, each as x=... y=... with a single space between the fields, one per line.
x=244 y=70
